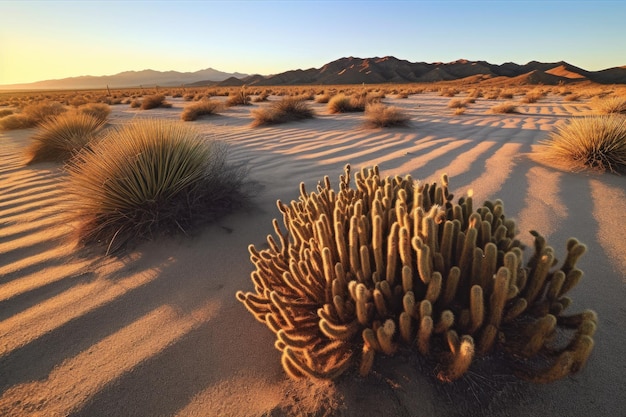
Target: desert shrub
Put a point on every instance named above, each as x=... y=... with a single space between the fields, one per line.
x=448 y=92
x=201 y=108
x=100 y=111
x=459 y=110
x=493 y=95
x=503 y=108
x=609 y=105
x=31 y=115
x=380 y=115
x=240 y=98
x=285 y=110
x=154 y=101
x=323 y=98
x=532 y=96
x=58 y=139
x=78 y=101
x=594 y=142
x=148 y=178
x=5 y=112
x=361 y=271
x=16 y=121
x=572 y=97
x=342 y=103
x=456 y=103
x=135 y=104
x=261 y=98
x=40 y=112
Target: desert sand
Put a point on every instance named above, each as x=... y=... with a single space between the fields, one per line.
x=158 y=331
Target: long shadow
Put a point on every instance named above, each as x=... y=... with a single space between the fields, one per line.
x=26 y=300
x=165 y=383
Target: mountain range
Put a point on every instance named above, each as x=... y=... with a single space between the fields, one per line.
x=354 y=71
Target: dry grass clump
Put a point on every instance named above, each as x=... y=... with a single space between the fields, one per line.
x=610 y=105
x=154 y=101
x=572 y=97
x=532 y=96
x=456 y=103
x=589 y=143
x=201 y=108
x=262 y=97
x=342 y=103
x=285 y=110
x=506 y=94
x=391 y=264
x=60 y=138
x=459 y=110
x=31 y=115
x=380 y=115
x=239 y=98
x=323 y=98
x=503 y=108
x=448 y=92
x=6 y=112
x=148 y=178
x=100 y=111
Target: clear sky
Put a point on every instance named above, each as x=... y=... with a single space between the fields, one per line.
x=41 y=40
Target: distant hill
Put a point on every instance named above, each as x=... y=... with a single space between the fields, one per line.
x=392 y=70
x=353 y=71
x=145 y=78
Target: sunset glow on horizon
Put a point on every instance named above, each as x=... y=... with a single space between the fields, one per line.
x=43 y=40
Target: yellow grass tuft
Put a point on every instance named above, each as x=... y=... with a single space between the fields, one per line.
x=595 y=143
x=58 y=139
x=380 y=115
x=201 y=108
x=609 y=105
x=153 y=102
x=503 y=108
x=285 y=110
x=148 y=178
x=31 y=115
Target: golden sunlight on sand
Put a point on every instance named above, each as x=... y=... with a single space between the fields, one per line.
x=158 y=331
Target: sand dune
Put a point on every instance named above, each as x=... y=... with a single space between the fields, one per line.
x=158 y=331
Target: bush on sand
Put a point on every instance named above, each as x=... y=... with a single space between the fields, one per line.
x=588 y=143
x=285 y=110
x=58 y=139
x=148 y=178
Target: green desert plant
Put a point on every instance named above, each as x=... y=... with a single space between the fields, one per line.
x=58 y=139
x=285 y=110
x=154 y=101
x=380 y=115
x=503 y=108
x=391 y=262
x=593 y=142
x=148 y=178
x=200 y=108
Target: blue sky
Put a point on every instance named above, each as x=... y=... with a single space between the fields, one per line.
x=42 y=40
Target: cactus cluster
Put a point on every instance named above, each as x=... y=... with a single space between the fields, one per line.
x=393 y=262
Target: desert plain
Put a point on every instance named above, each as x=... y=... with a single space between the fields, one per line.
x=157 y=330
